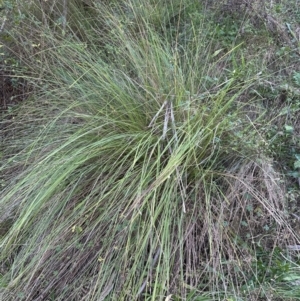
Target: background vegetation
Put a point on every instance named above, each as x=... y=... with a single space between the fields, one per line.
x=149 y=150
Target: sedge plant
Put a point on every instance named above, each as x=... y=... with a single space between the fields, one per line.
x=132 y=171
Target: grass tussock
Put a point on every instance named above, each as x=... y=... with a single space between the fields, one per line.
x=140 y=168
